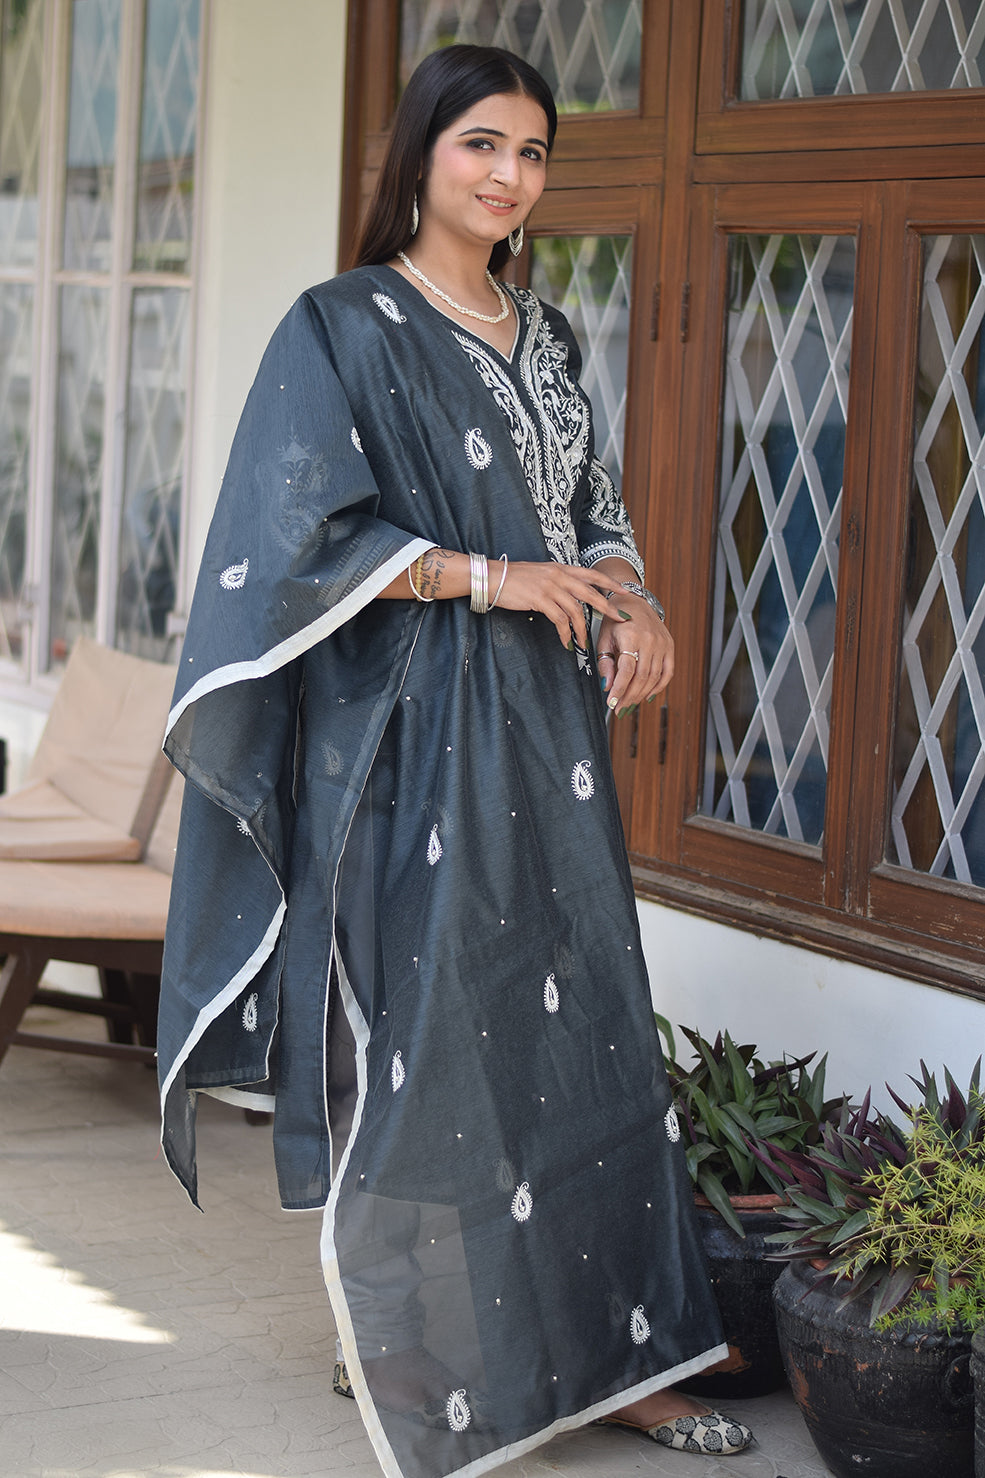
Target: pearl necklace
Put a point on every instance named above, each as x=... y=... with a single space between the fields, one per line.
x=469 y=312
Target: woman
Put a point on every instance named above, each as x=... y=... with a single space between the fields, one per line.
x=402 y=914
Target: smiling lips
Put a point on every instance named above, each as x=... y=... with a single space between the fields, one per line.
x=496 y=203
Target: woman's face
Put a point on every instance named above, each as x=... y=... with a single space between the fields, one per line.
x=486 y=171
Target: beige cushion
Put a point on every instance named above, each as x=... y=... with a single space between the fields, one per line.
x=39 y=821
x=104 y=731
x=95 y=900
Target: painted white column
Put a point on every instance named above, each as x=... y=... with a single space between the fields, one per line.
x=270 y=177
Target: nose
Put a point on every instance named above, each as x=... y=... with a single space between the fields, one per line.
x=506 y=167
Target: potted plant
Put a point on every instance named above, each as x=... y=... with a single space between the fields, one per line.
x=725 y=1101
x=886 y=1283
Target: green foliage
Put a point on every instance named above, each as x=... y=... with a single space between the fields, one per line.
x=896 y=1213
x=728 y=1100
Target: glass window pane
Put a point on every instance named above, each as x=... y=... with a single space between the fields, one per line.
x=166 y=166
x=20 y=130
x=814 y=48
x=776 y=574
x=91 y=150
x=82 y=339
x=589 y=279
x=16 y=346
x=155 y=446
x=587 y=50
x=938 y=814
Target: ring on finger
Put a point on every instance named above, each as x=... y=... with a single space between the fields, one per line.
x=612 y=656
x=635 y=655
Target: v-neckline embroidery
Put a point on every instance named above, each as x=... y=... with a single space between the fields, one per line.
x=460 y=327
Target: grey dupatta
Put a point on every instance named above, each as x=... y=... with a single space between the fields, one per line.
x=406 y=813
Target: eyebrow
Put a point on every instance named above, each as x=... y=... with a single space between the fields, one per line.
x=498 y=133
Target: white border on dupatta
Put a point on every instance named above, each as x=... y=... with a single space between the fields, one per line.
x=308 y=636
x=235 y=672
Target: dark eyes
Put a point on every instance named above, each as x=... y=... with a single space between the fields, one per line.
x=529 y=153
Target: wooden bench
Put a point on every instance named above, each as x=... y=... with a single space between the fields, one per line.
x=99 y=790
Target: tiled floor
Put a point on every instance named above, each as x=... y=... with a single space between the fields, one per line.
x=138 y=1337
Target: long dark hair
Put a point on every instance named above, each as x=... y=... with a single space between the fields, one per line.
x=445 y=85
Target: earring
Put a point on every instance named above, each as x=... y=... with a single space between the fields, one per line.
x=415 y=217
x=515 y=239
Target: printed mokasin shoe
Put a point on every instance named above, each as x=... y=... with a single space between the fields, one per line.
x=711 y=1433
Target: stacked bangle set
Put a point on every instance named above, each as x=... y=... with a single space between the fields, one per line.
x=479 y=578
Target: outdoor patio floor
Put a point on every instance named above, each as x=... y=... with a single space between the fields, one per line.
x=139 y=1337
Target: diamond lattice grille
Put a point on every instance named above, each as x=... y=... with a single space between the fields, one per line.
x=589 y=278
x=808 y=48
x=785 y=405
x=91 y=154
x=16 y=320
x=587 y=50
x=167 y=136
x=938 y=814
x=20 y=130
x=78 y=465
x=155 y=442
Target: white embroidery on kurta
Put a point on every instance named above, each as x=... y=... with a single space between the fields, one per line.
x=672 y=1125
x=435 y=848
x=354 y=437
x=458 y=1412
x=551 y=998
x=639 y=1326
x=581 y=780
x=398 y=1072
x=523 y=1202
x=250 y=1013
x=233 y=577
x=333 y=760
x=477 y=449
x=243 y=826
x=386 y=305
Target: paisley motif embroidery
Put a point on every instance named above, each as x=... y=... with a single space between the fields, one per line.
x=477 y=449
x=386 y=305
x=354 y=438
x=233 y=577
x=505 y=1178
x=457 y=1409
x=398 y=1073
x=250 y=1013
x=672 y=1125
x=333 y=760
x=435 y=848
x=243 y=826
x=551 y=998
x=639 y=1326
x=523 y=1202
x=581 y=780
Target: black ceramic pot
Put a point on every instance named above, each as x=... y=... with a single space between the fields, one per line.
x=887 y=1405
x=978 y=1380
x=743 y=1283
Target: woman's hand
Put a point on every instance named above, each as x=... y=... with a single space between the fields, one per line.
x=559 y=592
x=635 y=657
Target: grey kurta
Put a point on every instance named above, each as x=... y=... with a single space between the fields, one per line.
x=406 y=813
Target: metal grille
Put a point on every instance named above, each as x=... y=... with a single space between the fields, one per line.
x=809 y=48
x=938 y=813
x=783 y=440
x=20 y=130
x=166 y=166
x=589 y=279
x=587 y=50
x=78 y=466
x=93 y=106
x=16 y=343
x=155 y=443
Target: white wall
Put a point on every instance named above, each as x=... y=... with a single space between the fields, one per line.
x=270 y=179
x=874 y=1027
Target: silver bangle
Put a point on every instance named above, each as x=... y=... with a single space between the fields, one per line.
x=635 y=588
x=479 y=574
x=499 y=591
